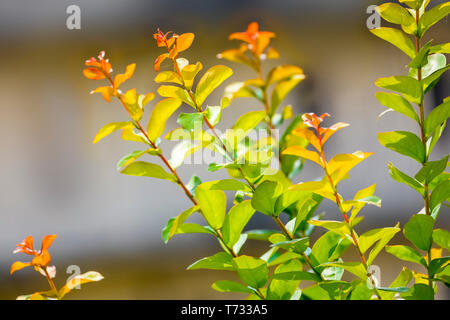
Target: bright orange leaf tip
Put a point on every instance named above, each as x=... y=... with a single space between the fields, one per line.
x=323 y=134
x=41 y=258
x=257 y=40
x=174 y=44
x=98 y=69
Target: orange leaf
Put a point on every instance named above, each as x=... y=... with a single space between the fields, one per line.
x=19 y=265
x=121 y=78
x=307 y=134
x=304 y=153
x=159 y=60
x=93 y=74
x=105 y=91
x=42 y=260
x=47 y=241
x=184 y=41
x=332 y=130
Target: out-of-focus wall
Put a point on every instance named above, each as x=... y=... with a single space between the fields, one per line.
x=53 y=180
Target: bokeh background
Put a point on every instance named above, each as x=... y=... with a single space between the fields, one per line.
x=54 y=180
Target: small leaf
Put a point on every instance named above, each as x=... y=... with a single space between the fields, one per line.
x=176 y=93
x=356 y=268
x=282 y=89
x=110 y=128
x=442 y=238
x=213 y=204
x=397 y=38
x=303 y=153
x=121 y=78
x=283 y=72
x=339 y=227
x=190 y=121
x=395 y=13
x=168 y=76
x=397 y=103
x=284 y=289
x=129 y=158
x=265 y=197
x=409 y=87
x=431 y=170
x=175 y=223
x=235 y=222
x=419 y=231
x=436 y=117
x=243 y=126
x=419 y=292
x=341 y=164
x=211 y=80
x=160 y=114
x=403 y=142
x=184 y=41
x=189 y=72
x=440 y=194
x=146 y=169
x=406 y=253
x=90 y=276
x=252 y=271
x=296 y=245
x=401 y=177
x=230 y=286
x=219 y=261
x=367 y=239
x=213 y=114
x=432 y=16
x=429 y=82
x=401 y=281
x=388 y=234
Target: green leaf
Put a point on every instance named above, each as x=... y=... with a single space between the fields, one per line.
x=213 y=204
x=432 y=16
x=419 y=292
x=360 y=291
x=406 y=253
x=190 y=121
x=325 y=246
x=357 y=268
x=297 y=275
x=284 y=289
x=436 y=117
x=235 y=222
x=387 y=235
x=419 y=230
x=437 y=265
x=397 y=38
x=369 y=238
x=219 y=261
x=401 y=177
x=414 y=4
x=265 y=197
x=174 y=223
x=176 y=93
x=429 y=82
x=110 y=128
x=262 y=235
x=296 y=245
x=230 y=286
x=397 y=103
x=431 y=170
x=243 y=126
x=339 y=227
x=395 y=13
x=433 y=63
x=440 y=48
x=282 y=89
x=440 y=194
x=213 y=114
x=193 y=228
x=409 y=87
x=211 y=80
x=146 y=169
x=129 y=158
x=421 y=59
x=401 y=281
x=403 y=142
x=160 y=114
x=442 y=238
x=436 y=136
x=252 y=271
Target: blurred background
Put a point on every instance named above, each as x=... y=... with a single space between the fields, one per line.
x=55 y=181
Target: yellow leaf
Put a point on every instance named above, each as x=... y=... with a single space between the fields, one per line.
x=90 y=276
x=176 y=92
x=160 y=114
x=210 y=81
x=128 y=134
x=189 y=72
x=121 y=78
x=168 y=76
x=110 y=128
x=283 y=72
x=341 y=164
x=19 y=265
x=106 y=92
x=303 y=153
x=320 y=187
x=184 y=41
x=307 y=134
x=333 y=129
